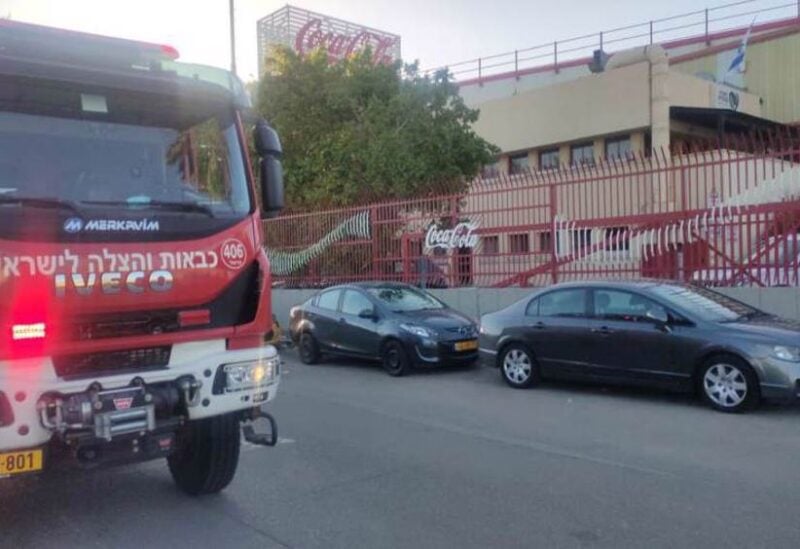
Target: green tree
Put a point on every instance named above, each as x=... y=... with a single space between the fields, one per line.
x=355 y=132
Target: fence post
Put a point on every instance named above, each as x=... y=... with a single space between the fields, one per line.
x=555 y=55
x=651 y=31
x=708 y=42
x=516 y=61
x=376 y=248
x=454 y=259
x=554 y=235
x=480 y=71
x=601 y=40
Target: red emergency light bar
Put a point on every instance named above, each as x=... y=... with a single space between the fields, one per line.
x=29 y=41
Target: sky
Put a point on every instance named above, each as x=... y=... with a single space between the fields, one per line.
x=435 y=32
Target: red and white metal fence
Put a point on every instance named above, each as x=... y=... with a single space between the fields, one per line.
x=723 y=217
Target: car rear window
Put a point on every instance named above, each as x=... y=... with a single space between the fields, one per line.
x=703 y=303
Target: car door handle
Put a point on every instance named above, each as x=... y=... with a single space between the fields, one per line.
x=603 y=330
x=539 y=326
x=342 y=320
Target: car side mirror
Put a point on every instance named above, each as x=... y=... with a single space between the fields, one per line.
x=369 y=314
x=270 y=151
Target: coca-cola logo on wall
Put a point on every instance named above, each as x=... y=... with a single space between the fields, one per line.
x=339 y=45
x=461 y=236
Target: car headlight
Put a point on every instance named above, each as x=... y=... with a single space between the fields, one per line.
x=247 y=375
x=418 y=330
x=784 y=352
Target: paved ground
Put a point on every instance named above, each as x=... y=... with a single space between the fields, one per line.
x=452 y=459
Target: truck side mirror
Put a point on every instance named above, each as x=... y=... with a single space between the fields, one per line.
x=268 y=147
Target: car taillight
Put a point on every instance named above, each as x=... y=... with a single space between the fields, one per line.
x=21 y=332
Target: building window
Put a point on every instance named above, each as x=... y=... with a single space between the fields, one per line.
x=518 y=164
x=519 y=243
x=546 y=241
x=618 y=148
x=618 y=239
x=491 y=171
x=579 y=239
x=549 y=159
x=582 y=154
x=491 y=245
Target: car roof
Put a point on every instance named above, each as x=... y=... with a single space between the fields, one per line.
x=629 y=284
x=368 y=285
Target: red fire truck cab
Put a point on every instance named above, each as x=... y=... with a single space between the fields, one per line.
x=134 y=290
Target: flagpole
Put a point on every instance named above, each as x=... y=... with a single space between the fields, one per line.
x=233 y=37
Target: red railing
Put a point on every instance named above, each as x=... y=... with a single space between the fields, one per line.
x=723 y=216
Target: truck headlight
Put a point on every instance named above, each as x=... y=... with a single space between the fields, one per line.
x=247 y=375
x=784 y=352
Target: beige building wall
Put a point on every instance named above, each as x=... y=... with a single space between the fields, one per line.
x=612 y=102
x=629 y=100
x=772 y=72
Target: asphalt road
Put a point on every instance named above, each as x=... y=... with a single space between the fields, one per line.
x=451 y=459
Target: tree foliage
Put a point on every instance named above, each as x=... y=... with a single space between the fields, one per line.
x=354 y=131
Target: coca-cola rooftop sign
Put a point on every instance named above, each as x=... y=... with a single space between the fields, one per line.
x=305 y=31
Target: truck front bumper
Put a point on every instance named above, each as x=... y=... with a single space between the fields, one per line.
x=30 y=392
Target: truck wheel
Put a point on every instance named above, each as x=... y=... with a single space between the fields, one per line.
x=207 y=455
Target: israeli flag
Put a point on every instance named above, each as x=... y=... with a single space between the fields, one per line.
x=737 y=64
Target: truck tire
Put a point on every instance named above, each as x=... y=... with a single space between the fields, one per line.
x=207 y=455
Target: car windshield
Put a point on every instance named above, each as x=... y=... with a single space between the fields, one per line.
x=122 y=150
x=705 y=304
x=405 y=299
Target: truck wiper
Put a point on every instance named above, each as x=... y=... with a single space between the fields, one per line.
x=40 y=202
x=156 y=204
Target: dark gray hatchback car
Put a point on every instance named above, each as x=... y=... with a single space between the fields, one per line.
x=399 y=325
x=646 y=332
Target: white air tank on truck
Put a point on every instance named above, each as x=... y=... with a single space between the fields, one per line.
x=134 y=289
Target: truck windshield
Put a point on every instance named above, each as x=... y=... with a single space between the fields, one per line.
x=123 y=151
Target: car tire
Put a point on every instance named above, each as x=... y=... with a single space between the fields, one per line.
x=518 y=367
x=308 y=348
x=395 y=359
x=207 y=455
x=728 y=384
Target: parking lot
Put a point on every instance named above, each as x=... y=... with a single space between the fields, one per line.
x=451 y=458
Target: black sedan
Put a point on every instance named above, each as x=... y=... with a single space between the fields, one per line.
x=647 y=332
x=399 y=325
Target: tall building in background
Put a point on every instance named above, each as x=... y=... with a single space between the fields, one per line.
x=304 y=31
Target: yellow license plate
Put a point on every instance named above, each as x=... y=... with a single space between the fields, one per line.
x=470 y=345
x=20 y=462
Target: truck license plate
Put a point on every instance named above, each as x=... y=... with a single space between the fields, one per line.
x=470 y=345
x=12 y=463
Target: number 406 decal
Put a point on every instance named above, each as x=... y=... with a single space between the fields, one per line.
x=234 y=253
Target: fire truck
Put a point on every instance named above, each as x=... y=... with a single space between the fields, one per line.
x=134 y=290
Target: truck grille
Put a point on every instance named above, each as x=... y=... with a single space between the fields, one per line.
x=112 y=362
x=124 y=325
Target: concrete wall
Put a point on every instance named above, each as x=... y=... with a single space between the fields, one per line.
x=477 y=301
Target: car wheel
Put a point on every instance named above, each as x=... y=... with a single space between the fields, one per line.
x=395 y=359
x=308 y=349
x=518 y=367
x=729 y=384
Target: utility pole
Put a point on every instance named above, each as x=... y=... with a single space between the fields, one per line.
x=233 y=38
